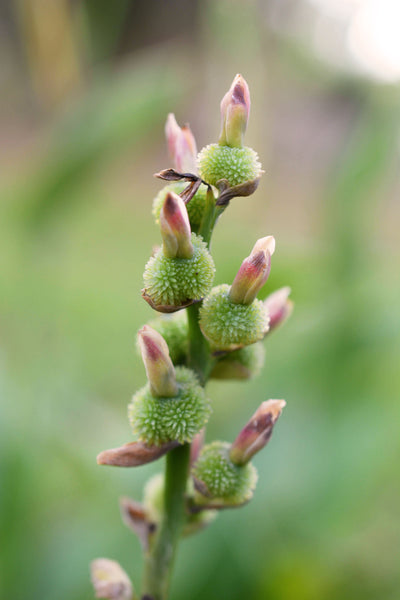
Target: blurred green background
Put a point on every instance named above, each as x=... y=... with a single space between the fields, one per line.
x=86 y=87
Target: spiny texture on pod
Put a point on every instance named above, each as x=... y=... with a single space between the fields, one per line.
x=153 y=501
x=218 y=481
x=237 y=165
x=156 y=421
x=195 y=206
x=240 y=364
x=228 y=325
x=176 y=281
x=174 y=330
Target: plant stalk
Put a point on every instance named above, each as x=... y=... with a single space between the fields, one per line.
x=160 y=557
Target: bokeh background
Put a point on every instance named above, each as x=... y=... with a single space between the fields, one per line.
x=86 y=86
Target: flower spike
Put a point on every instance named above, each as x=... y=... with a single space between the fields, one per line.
x=235 y=109
x=159 y=368
x=181 y=145
x=175 y=228
x=255 y=435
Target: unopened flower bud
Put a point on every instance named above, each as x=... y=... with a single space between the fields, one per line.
x=197 y=444
x=175 y=228
x=158 y=364
x=279 y=306
x=255 y=435
x=133 y=454
x=110 y=580
x=235 y=109
x=253 y=273
x=181 y=145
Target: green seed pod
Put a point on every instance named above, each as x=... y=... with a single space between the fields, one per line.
x=153 y=501
x=175 y=282
x=240 y=364
x=174 y=330
x=156 y=421
x=229 y=326
x=195 y=206
x=219 y=483
x=237 y=165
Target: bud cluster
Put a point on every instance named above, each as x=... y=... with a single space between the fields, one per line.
x=215 y=332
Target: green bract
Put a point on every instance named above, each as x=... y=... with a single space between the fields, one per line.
x=174 y=330
x=220 y=482
x=156 y=421
x=240 y=364
x=176 y=281
x=227 y=325
x=195 y=206
x=237 y=165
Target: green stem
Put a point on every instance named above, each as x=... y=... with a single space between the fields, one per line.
x=160 y=558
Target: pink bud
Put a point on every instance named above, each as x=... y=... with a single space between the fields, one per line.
x=135 y=517
x=181 y=146
x=197 y=444
x=175 y=228
x=133 y=454
x=255 y=435
x=110 y=580
x=158 y=364
x=253 y=273
x=279 y=307
x=235 y=110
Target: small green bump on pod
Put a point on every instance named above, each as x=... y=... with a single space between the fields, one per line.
x=175 y=281
x=195 y=206
x=229 y=326
x=218 y=481
x=244 y=363
x=174 y=330
x=237 y=165
x=156 y=421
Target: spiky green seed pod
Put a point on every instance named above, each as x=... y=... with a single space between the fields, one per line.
x=195 y=206
x=177 y=281
x=218 y=481
x=156 y=421
x=153 y=501
x=229 y=326
x=240 y=364
x=174 y=330
x=237 y=165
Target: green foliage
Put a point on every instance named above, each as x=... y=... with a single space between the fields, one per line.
x=175 y=281
x=221 y=482
x=237 y=165
x=227 y=325
x=160 y=420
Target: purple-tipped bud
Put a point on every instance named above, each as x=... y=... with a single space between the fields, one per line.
x=159 y=368
x=110 y=580
x=197 y=444
x=253 y=273
x=279 y=307
x=133 y=454
x=255 y=435
x=175 y=228
x=181 y=146
x=235 y=110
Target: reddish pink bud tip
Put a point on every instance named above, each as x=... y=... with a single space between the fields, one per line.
x=175 y=228
x=235 y=110
x=279 y=307
x=158 y=364
x=256 y=434
x=133 y=454
x=253 y=273
x=181 y=146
